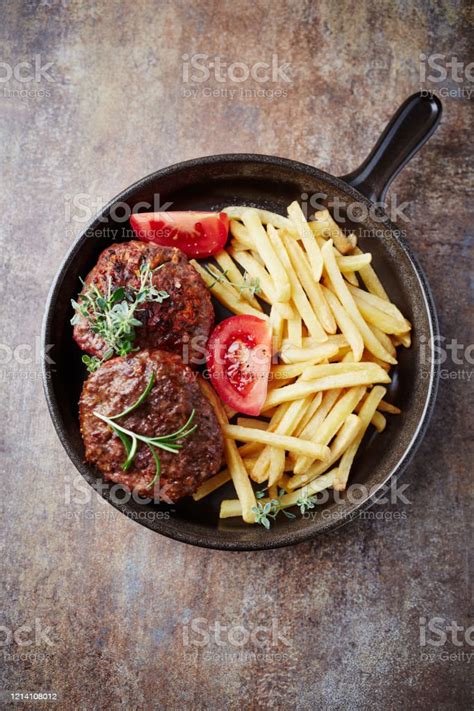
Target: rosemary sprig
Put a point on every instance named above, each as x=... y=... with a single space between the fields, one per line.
x=250 y=284
x=168 y=443
x=113 y=315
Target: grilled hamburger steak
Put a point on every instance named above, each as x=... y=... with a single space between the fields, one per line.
x=117 y=385
x=185 y=315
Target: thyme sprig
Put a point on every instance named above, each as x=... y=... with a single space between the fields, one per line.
x=113 y=315
x=250 y=284
x=306 y=502
x=169 y=443
x=264 y=511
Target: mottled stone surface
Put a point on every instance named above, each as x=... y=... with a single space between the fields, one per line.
x=120 y=600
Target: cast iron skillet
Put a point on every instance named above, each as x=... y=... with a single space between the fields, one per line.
x=211 y=183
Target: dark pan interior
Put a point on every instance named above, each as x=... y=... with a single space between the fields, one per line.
x=270 y=183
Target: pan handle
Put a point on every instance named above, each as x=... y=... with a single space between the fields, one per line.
x=406 y=132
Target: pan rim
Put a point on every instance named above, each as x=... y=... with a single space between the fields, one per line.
x=284 y=538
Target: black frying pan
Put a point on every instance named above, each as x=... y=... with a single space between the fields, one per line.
x=211 y=183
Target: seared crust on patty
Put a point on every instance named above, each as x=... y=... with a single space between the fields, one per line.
x=181 y=323
x=116 y=385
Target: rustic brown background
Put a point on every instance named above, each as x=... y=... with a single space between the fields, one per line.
x=119 y=599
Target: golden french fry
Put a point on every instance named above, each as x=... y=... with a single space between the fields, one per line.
x=345 y=297
x=291 y=444
x=375 y=317
x=286 y=426
x=304 y=233
x=385 y=340
x=229 y=411
x=277 y=467
x=235 y=465
x=323 y=370
x=345 y=323
x=234 y=275
x=278 y=382
x=327 y=401
x=257 y=271
x=266 y=217
x=340 y=380
x=273 y=488
x=379 y=421
x=370 y=279
x=312 y=288
x=331 y=424
x=324 y=226
x=386 y=307
x=351 y=278
x=252 y=422
x=212 y=484
x=339 y=339
x=338 y=414
x=290 y=370
x=342 y=441
x=298 y=295
x=264 y=247
x=224 y=295
x=295 y=332
x=385 y=406
x=403 y=339
x=366 y=413
x=366 y=356
x=308 y=415
x=353 y=263
x=277 y=323
x=232 y=507
x=290 y=354
x=240 y=233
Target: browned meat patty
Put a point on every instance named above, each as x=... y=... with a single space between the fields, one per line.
x=116 y=385
x=181 y=323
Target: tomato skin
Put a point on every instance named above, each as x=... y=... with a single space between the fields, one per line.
x=239 y=360
x=197 y=234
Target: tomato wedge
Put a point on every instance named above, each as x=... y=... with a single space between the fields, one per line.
x=238 y=360
x=197 y=234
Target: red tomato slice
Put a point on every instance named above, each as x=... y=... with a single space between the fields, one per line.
x=239 y=359
x=197 y=234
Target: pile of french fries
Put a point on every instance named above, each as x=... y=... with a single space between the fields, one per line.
x=335 y=331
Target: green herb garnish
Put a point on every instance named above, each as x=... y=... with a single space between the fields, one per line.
x=306 y=502
x=264 y=511
x=168 y=443
x=250 y=284
x=113 y=315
